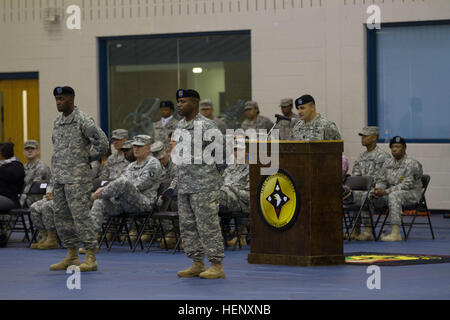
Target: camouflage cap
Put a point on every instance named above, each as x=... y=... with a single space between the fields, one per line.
x=206 y=104
x=250 y=105
x=127 y=145
x=31 y=144
x=120 y=134
x=286 y=102
x=142 y=140
x=367 y=131
x=158 y=150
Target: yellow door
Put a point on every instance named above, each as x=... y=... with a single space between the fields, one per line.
x=20 y=121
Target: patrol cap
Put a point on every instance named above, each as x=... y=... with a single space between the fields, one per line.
x=120 y=134
x=367 y=131
x=250 y=105
x=158 y=150
x=63 y=90
x=166 y=104
x=304 y=100
x=142 y=140
x=31 y=144
x=188 y=93
x=127 y=145
x=286 y=102
x=206 y=104
x=397 y=139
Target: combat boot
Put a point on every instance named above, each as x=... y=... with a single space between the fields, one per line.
x=71 y=259
x=197 y=268
x=43 y=236
x=215 y=271
x=394 y=236
x=89 y=263
x=242 y=238
x=170 y=241
x=50 y=242
x=367 y=235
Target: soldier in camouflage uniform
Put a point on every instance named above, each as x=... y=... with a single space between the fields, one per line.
x=399 y=183
x=198 y=194
x=43 y=217
x=35 y=170
x=369 y=163
x=116 y=162
x=136 y=190
x=207 y=110
x=74 y=133
x=166 y=125
x=312 y=126
x=235 y=191
x=254 y=119
x=286 y=127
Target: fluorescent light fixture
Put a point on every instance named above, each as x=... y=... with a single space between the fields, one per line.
x=25 y=115
x=197 y=70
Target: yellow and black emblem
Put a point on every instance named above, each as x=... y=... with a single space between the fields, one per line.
x=278 y=200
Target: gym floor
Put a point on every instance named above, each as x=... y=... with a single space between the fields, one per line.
x=123 y=275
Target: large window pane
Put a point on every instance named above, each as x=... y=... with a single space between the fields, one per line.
x=144 y=71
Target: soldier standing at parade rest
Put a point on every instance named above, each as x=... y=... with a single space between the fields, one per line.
x=207 y=110
x=254 y=119
x=167 y=124
x=286 y=127
x=198 y=194
x=399 y=183
x=74 y=133
x=312 y=126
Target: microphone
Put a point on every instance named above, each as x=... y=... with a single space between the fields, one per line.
x=280 y=117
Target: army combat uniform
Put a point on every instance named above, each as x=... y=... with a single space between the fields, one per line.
x=161 y=131
x=114 y=167
x=42 y=212
x=72 y=139
x=198 y=200
x=315 y=130
x=136 y=190
x=36 y=171
x=260 y=122
x=402 y=180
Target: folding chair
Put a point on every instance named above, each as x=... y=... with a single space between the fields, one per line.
x=420 y=206
x=358 y=183
x=19 y=214
x=225 y=216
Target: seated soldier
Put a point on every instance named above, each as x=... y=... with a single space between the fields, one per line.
x=136 y=190
x=399 y=183
x=235 y=191
x=160 y=152
x=42 y=216
x=35 y=170
x=116 y=162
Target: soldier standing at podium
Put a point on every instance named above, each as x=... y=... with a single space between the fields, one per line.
x=312 y=126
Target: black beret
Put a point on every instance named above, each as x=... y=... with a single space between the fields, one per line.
x=63 y=90
x=189 y=93
x=304 y=100
x=397 y=139
x=167 y=104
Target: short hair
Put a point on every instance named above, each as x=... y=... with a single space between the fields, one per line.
x=7 y=149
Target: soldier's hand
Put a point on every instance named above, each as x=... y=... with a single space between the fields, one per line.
x=49 y=196
x=98 y=193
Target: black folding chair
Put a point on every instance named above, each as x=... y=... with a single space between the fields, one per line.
x=18 y=215
x=240 y=218
x=420 y=206
x=364 y=184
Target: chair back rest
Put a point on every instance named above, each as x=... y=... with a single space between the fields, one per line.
x=166 y=201
x=362 y=183
x=38 y=187
x=425 y=181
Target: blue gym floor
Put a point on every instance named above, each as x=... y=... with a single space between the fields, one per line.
x=24 y=274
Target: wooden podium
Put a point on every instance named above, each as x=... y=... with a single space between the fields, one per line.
x=314 y=237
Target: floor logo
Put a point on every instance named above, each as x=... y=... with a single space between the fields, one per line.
x=278 y=200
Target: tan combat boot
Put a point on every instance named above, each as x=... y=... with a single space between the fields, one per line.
x=71 y=259
x=170 y=241
x=197 y=268
x=394 y=236
x=51 y=242
x=89 y=263
x=242 y=238
x=214 y=272
x=43 y=236
x=367 y=235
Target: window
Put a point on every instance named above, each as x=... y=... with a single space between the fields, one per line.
x=409 y=81
x=136 y=73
